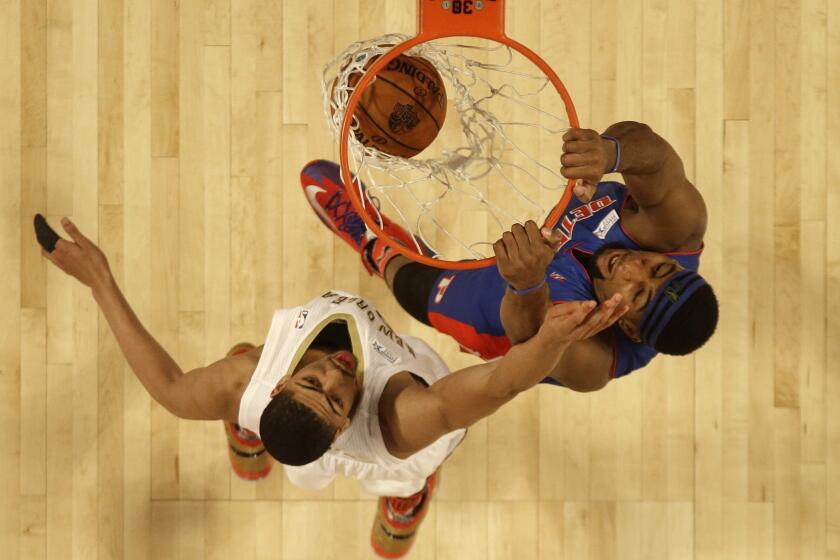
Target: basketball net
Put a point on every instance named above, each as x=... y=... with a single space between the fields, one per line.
x=496 y=161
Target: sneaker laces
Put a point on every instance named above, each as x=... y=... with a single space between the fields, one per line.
x=346 y=218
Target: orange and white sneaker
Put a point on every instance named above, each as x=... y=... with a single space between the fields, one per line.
x=397 y=520
x=246 y=451
x=326 y=193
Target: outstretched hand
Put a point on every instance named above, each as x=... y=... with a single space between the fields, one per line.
x=80 y=258
x=522 y=255
x=579 y=320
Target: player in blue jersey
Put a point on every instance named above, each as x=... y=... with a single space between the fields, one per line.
x=642 y=239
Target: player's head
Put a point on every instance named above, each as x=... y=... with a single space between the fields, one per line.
x=672 y=309
x=310 y=408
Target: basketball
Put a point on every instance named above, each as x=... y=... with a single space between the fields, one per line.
x=402 y=110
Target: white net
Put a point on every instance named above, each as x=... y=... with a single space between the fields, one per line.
x=495 y=162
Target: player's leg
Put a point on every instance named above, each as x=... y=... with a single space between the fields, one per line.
x=410 y=282
x=397 y=520
x=451 y=301
x=246 y=451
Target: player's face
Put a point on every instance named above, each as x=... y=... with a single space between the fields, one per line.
x=636 y=275
x=327 y=387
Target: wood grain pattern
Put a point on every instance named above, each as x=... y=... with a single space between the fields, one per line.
x=173 y=132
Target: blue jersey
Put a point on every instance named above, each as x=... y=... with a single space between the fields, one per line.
x=465 y=303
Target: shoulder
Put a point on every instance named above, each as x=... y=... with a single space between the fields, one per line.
x=678 y=223
x=234 y=373
x=402 y=390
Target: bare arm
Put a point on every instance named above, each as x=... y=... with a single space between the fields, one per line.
x=672 y=214
x=421 y=415
x=522 y=256
x=586 y=365
x=521 y=315
x=207 y=393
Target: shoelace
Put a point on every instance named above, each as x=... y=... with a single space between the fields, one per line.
x=346 y=218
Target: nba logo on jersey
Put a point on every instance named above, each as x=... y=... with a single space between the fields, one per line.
x=300 y=320
x=384 y=352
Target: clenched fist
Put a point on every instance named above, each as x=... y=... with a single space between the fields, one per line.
x=522 y=255
x=586 y=158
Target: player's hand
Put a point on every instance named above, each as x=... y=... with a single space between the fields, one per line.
x=579 y=320
x=80 y=258
x=522 y=255
x=586 y=158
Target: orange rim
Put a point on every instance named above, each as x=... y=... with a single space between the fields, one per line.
x=433 y=23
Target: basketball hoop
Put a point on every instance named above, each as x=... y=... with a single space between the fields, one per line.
x=497 y=158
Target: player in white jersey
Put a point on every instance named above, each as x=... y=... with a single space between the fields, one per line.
x=334 y=389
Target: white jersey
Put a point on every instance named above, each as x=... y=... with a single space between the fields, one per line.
x=360 y=451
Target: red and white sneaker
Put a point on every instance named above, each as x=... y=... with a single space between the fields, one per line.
x=397 y=520
x=326 y=193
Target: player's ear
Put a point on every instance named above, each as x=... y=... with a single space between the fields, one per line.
x=342 y=428
x=630 y=329
x=280 y=386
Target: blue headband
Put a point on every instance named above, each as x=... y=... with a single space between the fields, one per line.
x=670 y=297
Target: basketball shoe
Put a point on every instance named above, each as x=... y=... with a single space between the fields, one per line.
x=246 y=451
x=397 y=520
x=326 y=193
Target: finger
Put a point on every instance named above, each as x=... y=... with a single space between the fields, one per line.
x=587 y=174
x=521 y=236
x=584 y=191
x=597 y=315
x=510 y=244
x=578 y=134
x=532 y=230
x=74 y=232
x=500 y=251
x=554 y=238
x=605 y=316
x=47 y=255
x=573 y=312
x=580 y=310
x=620 y=310
x=577 y=160
x=576 y=147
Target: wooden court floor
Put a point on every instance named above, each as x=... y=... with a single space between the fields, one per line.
x=173 y=132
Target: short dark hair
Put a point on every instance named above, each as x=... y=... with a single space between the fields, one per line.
x=292 y=433
x=692 y=325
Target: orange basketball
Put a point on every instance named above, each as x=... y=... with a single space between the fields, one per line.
x=403 y=109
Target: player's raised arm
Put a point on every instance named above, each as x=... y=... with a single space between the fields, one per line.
x=672 y=214
x=421 y=415
x=208 y=393
x=522 y=257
